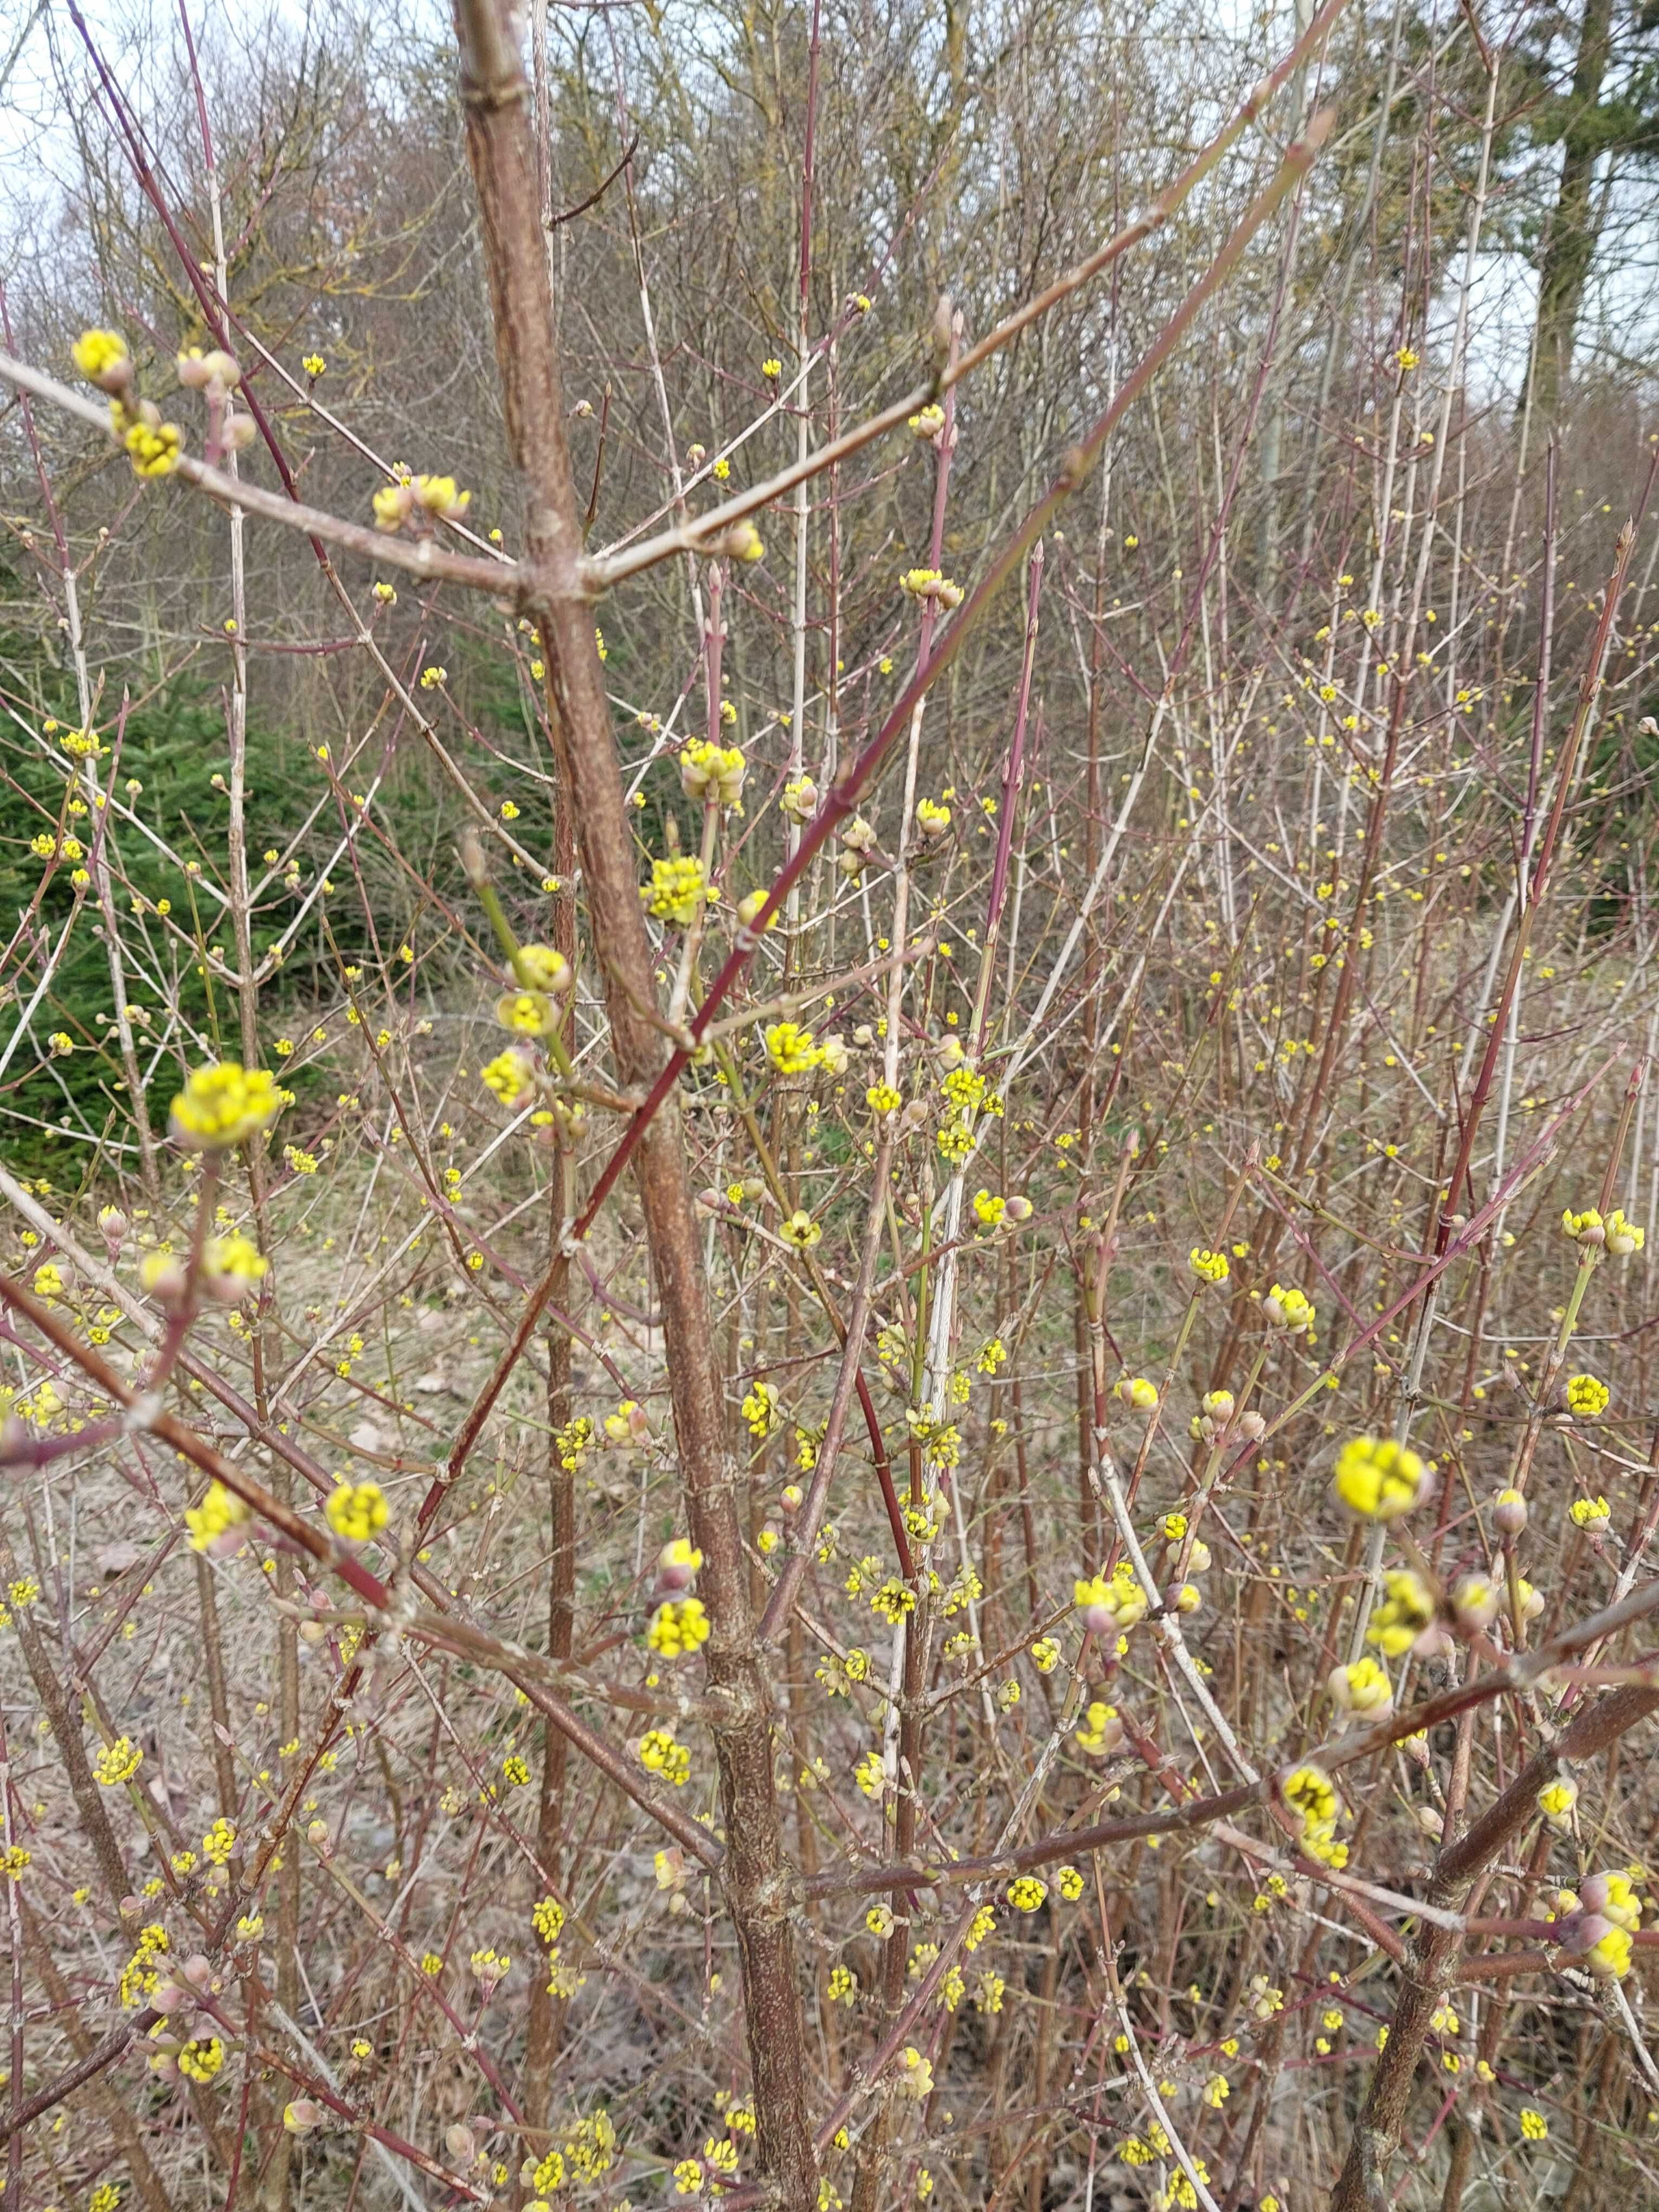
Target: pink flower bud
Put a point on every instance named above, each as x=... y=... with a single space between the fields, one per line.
x=1581 y=1932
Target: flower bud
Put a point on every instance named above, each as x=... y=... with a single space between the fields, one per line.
x=197 y=1970
x=1218 y=1405
x=1431 y=1821
x=1183 y=1597
x=1509 y=1512
x=302 y=2116
x=163 y=1275
x=1017 y=1209
x=1581 y=1932
x=1474 y=1602
x=1361 y=1687
x=544 y=967
x=677 y=1564
x=1611 y=1895
x=1253 y=1426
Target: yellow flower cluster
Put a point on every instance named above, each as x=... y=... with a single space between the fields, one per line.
x=1208 y=1267
x=792 y=1049
x=118 y=1762
x=660 y=1754
x=1117 y=1604
x=154 y=449
x=1362 y=1687
x=223 y=1104
x=395 y=503
x=202 y=2058
x=760 y=1409
x=356 y=1511
x=1311 y=1795
x=677 y=1627
x=508 y=1075
x=1587 y=1396
x=1407 y=1608
x=893 y=1600
x=233 y=1262
x=1136 y=1391
x=929 y=584
x=1556 y=1801
x=1378 y=1479
x=220 y=1512
x=1289 y=1309
x=915 y=2075
x=712 y=773
x=1025 y=1893
x=572 y=1442
x=547 y=1919
x=677 y=891
x=1614 y=1234
x=100 y=355
x=139 y=1975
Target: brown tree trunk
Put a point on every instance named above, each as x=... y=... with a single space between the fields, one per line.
x=756 y=1876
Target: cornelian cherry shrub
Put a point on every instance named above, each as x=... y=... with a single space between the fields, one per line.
x=828 y=984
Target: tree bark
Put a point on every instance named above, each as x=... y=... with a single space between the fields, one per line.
x=758 y=1880
x=1569 y=244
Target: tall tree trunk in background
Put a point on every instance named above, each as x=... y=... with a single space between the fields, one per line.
x=1569 y=244
x=1272 y=432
